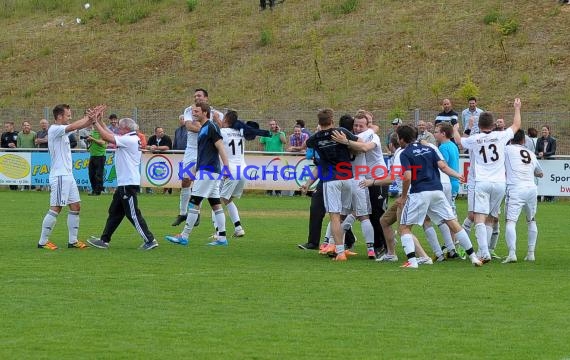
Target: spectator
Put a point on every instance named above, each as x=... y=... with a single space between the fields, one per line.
x=97 y=158
x=425 y=135
x=9 y=139
x=301 y=123
x=159 y=141
x=297 y=140
x=41 y=136
x=546 y=149
x=466 y=114
x=263 y=4
x=395 y=124
x=530 y=139
x=114 y=128
x=448 y=114
x=26 y=137
x=180 y=135
x=274 y=143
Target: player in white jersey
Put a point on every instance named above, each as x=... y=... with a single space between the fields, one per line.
x=64 y=191
x=191 y=152
x=488 y=153
x=522 y=167
x=232 y=186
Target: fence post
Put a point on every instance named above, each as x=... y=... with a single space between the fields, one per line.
x=136 y=114
x=46 y=113
x=416 y=116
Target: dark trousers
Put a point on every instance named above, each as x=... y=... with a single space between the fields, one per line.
x=96 y=173
x=317 y=213
x=263 y=3
x=378 y=197
x=125 y=203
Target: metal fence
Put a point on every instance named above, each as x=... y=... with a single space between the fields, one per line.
x=168 y=119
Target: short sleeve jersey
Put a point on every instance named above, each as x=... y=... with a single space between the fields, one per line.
x=450 y=154
x=192 y=137
x=59 y=151
x=488 y=154
x=450 y=117
x=424 y=160
x=208 y=157
x=334 y=158
x=521 y=165
x=374 y=157
x=234 y=145
x=128 y=159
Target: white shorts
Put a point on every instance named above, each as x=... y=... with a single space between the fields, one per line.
x=431 y=203
x=232 y=188
x=206 y=185
x=337 y=195
x=488 y=198
x=360 y=200
x=519 y=198
x=189 y=157
x=64 y=191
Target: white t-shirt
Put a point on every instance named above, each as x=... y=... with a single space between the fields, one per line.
x=521 y=165
x=397 y=164
x=488 y=154
x=192 y=138
x=374 y=157
x=128 y=159
x=59 y=151
x=234 y=144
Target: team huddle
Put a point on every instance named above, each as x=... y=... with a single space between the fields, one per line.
x=499 y=165
x=350 y=186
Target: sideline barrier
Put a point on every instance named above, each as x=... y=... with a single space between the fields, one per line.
x=284 y=171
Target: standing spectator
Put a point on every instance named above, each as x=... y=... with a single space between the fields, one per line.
x=447 y=115
x=26 y=137
x=64 y=190
x=97 y=157
x=297 y=140
x=180 y=135
x=471 y=111
x=263 y=4
x=273 y=144
x=425 y=135
x=124 y=203
x=9 y=140
x=41 y=136
x=395 y=124
x=546 y=149
x=113 y=121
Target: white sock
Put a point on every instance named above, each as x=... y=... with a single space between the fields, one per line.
x=339 y=249
x=408 y=243
x=190 y=221
x=494 y=236
x=347 y=223
x=532 y=236
x=446 y=235
x=481 y=235
x=467 y=225
x=233 y=212
x=47 y=226
x=463 y=239
x=184 y=200
x=214 y=221
x=432 y=240
x=367 y=231
x=221 y=222
x=489 y=230
x=73 y=226
x=511 y=236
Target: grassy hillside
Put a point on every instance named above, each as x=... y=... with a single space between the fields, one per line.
x=306 y=54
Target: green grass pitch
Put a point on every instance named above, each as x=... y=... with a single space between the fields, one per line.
x=262 y=298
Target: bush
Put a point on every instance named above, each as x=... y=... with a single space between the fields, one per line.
x=192 y=4
x=266 y=37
